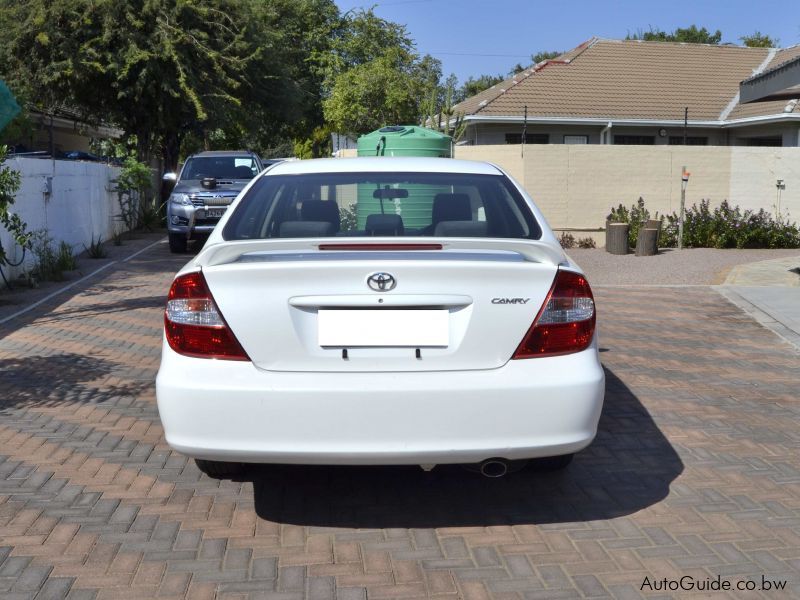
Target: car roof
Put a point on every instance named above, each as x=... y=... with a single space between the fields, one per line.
x=379 y=164
x=224 y=153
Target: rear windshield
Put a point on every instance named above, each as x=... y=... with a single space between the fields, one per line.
x=220 y=167
x=382 y=204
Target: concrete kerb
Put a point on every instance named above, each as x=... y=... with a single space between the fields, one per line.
x=751 y=300
x=770 y=293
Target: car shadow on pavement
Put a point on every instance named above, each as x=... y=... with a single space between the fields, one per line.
x=628 y=467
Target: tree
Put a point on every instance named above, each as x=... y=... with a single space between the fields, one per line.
x=440 y=112
x=476 y=85
x=540 y=56
x=165 y=70
x=689 y=35
x=373 y=75
x=759 y=40
x=545 y=55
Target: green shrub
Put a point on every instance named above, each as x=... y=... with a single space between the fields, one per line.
x=10 y=181
x=149 y=216
x=65 y=259
x=725 y=226
x=46 y=263
x=134 y=184
x=636 y=216
x=567 y=240
x=95 y=249
x=586 y=243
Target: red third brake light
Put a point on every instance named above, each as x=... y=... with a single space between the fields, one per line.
x=565 y=323
x=193 y=324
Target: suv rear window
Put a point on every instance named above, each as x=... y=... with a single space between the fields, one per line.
x=382 y=204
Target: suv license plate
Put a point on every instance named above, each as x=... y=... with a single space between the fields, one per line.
x=214 y=213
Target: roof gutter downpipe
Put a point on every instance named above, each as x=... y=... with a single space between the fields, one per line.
x=605 y=134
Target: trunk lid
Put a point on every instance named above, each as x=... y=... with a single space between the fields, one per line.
x=295 y=309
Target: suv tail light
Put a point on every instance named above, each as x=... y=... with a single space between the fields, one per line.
x=193 y=324
x=565 y=323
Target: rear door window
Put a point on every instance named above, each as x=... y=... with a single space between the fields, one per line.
x=382 y=204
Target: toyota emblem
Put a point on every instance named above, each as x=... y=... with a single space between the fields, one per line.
x=381 y=282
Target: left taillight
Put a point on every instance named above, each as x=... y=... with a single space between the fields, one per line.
x=193 y=324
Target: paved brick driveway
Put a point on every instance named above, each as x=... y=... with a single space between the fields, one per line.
x=695 y=472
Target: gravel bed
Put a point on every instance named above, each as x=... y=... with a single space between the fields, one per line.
x=694 y=266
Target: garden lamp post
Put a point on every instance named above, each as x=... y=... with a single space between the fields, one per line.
x=684 y=181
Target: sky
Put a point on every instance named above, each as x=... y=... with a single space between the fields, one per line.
x=476 y=37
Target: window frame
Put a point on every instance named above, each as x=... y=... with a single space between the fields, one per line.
x=487 y=185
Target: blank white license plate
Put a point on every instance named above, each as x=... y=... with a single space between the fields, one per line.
x=385 y=328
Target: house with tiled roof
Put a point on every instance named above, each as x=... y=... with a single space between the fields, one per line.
x=636 y=92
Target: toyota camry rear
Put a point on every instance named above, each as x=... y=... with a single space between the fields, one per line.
x=380 y=311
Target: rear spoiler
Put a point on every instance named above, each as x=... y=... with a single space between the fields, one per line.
x=529 y=250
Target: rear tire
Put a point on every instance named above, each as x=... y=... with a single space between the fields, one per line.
x=177 y=243
x=217 y=469
x=552 y=463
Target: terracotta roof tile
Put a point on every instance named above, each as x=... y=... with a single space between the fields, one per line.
x=755 y=109
x=627 y=79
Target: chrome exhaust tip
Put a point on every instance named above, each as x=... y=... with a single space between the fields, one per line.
x=494 y=467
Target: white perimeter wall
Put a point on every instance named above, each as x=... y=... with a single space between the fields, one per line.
x=81 y=206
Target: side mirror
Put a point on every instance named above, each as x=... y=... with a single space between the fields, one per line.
x=168 y=182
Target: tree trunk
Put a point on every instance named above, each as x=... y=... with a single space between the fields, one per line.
x=170 y=152
x=617 y=238
x=647 y=242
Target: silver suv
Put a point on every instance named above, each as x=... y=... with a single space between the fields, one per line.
x=208 y=183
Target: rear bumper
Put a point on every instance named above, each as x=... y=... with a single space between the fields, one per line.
x=231 y=411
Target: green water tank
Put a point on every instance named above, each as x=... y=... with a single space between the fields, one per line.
x=403 y=140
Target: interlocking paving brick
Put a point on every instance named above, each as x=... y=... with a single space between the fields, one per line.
x=694 y=470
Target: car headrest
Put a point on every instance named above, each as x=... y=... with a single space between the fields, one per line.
x=451 y=207
x=303 y=229
x=384 y=225
x=321 y=210
x=462 y=229
x=243 y=172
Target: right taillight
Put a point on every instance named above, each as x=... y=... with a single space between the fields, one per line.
x=193 y=324
x=565 y=323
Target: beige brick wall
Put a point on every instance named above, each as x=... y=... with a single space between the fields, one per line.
x=575 y=186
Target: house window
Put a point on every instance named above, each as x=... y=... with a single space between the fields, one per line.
x=677 y=140
x=576 y=139
x=530 y=138
x=635 y=140
x=765 y=141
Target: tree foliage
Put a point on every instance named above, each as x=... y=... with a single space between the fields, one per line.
x=9 y=184
x=165 y=70
x=373 y=75
x=475 y=85
x=759 y=40
x=545 y=55
x=689 y=35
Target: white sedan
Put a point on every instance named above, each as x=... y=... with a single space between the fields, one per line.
x=386 y=311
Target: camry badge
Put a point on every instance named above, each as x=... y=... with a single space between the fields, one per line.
x=510 y=300
x=381 y=282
